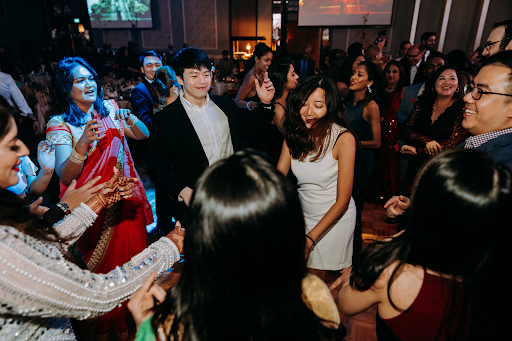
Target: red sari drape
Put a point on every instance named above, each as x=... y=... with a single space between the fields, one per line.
x=127 y=234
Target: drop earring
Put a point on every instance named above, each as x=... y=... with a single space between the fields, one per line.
x=369 y=89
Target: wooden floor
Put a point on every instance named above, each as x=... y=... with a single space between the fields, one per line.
x=362 y=326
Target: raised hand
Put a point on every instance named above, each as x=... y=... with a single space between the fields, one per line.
x=144 y=299
x=265 y=91
x=123 y=114
x=37 y=209
x=74 y=197
x=46 y=156
x=397 y=205
x=92 y=132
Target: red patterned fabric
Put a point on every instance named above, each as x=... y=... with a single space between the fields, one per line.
x=385 y=181
x=129 y=236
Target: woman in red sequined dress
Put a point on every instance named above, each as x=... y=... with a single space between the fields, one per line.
x=385 y=181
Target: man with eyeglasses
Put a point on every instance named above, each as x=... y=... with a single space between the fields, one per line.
x=500 y=38
x=488 y=112
x=413 y=65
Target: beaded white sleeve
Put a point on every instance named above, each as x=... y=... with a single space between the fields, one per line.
x=74 y=225
x=36 y=280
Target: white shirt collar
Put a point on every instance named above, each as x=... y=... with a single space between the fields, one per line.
x=149 y=81
x=185 y=102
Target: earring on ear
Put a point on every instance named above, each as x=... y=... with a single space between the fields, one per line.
x=369 y=89
x=457 y=89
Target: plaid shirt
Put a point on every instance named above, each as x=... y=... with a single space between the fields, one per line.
x=476 y=141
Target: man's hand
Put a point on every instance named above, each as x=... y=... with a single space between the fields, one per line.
x=397 y=205
x=144 y=300
x=266 y=91
x=408 y=150
x=186 y=195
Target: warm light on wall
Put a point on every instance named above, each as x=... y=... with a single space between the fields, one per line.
x=248 y=47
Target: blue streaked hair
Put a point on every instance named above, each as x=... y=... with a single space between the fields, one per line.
x=62 y=83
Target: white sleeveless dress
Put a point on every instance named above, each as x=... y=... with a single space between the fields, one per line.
x=317 y=193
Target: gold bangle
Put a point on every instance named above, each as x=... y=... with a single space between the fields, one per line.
x=75 y=157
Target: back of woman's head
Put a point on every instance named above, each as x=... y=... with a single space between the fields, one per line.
x=346 y=68
x=61 y=85
x=245 y=256
x=455 y=196
x=165 y=80
x=303 y=140
x=278 y=74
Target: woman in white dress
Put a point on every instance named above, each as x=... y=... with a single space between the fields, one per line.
x=320 y=151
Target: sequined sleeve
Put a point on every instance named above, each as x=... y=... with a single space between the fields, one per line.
x=74 y=225
x=409 y=133
x=36 y=280
x=58 y=133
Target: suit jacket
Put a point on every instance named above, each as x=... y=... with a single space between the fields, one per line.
x=420 y=74
x=500 y=149
x=176 y=158
x=143 y=103
x=296 y=64
x=407 y=103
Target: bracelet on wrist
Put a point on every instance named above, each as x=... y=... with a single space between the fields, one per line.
x=249 y=107
x=63 y=206
x=134 y=122
x=75 y=157
x=307 y=236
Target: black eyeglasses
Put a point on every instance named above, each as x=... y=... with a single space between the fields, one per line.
x=477 y=93
x=413 y=56
x=489 y=43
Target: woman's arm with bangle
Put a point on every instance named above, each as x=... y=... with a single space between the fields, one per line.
x=69 y=166
x=243 y=92
x=41 y=283
x=135 y=128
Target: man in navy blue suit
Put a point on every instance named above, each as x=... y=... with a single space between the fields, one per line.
x=144 y=94
x=488 y=112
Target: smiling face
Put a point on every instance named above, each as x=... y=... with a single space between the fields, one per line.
x=429 y=43
x=392 y=75
x=314 y=108
x=292 y=79
x=84 y=90
x=447 y=83
x=264 y=62
x=358 y=61
x=149 y=67
x=11 y=149
x=195 y=84
x=490 y=112
x=359 y=80
x=413 y=55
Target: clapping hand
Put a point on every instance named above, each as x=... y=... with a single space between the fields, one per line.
x=117 y=188
x=144 y=300
x=177 y=236
x=46 y=156
x=343 y=279
x=433 y=147
x=92 y=132
x=265 y=91
x=123 y=114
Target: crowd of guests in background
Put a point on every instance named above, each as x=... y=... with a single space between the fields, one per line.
x=269 y=186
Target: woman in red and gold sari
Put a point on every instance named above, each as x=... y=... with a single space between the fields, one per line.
x=89 y=138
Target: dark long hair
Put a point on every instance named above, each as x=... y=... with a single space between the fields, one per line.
x=301 y=140
x=401 y=81
x=260 y=50
x=13 y=210
x=245 y=259
x=345 y=71
x=278 y=74
x=62 y=83
x=164 y=81
x=336 y=59
x=426 y=101
x=375 y=75
x=460 y=227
